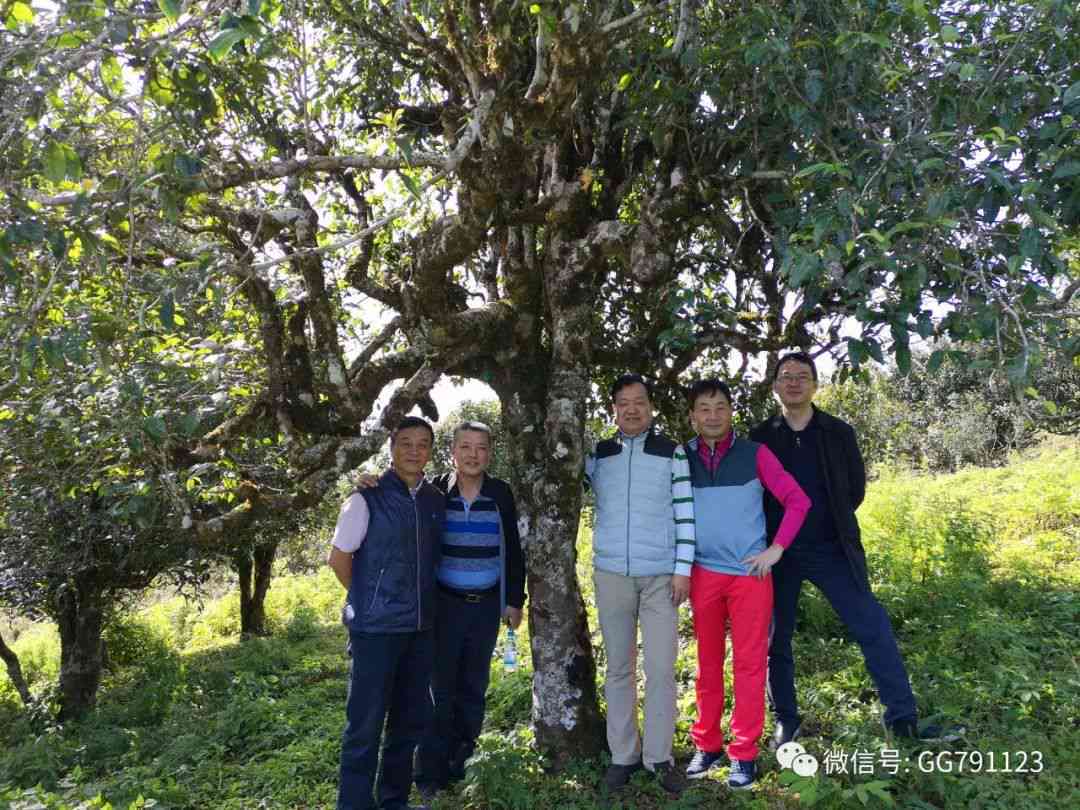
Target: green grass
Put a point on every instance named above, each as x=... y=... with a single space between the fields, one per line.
x=980 y=572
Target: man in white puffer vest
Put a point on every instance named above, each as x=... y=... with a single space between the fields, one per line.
x=643 y=549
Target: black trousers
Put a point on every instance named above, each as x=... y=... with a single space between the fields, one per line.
x=862 y=615
x=388 y=682
x=465 y=636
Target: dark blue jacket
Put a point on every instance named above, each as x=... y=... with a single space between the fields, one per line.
x=845 y=480
x=393 y=571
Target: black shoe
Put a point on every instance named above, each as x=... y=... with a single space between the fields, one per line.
x=428 y=793
x=784 y=733
x=616 y=776
x=455 y=769
x=669 y=778
x=702 y=763
x=742 y=774
x=907 y=729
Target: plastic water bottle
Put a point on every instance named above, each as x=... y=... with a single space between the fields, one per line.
x=510 y=651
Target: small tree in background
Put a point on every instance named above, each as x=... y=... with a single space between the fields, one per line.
x=946 y=415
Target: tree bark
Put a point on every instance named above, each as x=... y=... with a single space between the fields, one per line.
x=544 y=404
x=15 y=673
x=80 y=618
x=254 y=568
x=566 y=713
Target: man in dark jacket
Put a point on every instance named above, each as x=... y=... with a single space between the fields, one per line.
x=385 y=551
x=820 y=451
x=481 y=579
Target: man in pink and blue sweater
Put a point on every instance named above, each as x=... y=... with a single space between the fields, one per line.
x=731 y=579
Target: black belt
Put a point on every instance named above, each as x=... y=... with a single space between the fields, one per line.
x=470 y=596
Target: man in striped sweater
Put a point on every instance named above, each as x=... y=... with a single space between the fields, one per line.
x=643 y=547
x=481 y=580
x=731 y=578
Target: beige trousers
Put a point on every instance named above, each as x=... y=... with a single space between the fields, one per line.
x=624 y=602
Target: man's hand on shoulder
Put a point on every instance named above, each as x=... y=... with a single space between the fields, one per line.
x=366 y=481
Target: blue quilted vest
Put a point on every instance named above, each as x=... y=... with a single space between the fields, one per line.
x=393 y=571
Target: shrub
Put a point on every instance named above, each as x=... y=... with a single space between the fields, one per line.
x=303 y=623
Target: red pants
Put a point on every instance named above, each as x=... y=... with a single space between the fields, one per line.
x=747 y=601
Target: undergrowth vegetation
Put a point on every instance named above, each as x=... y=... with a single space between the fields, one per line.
x=979 y=571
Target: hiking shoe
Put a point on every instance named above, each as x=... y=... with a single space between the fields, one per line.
x=455 y=768
x=702 y=763
x=668 y=778
x=907 y=729
x=784 y=733
x=742 y=773
x=616 y=776
x=427 y=793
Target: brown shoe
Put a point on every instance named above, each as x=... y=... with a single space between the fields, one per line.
x=616 y=776
x=668 y=778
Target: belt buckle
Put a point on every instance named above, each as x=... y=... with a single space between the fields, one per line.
x=473 y=598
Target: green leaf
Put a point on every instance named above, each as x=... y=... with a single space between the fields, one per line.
x=57 y=244
x=1017 y=370
x=624 y=80
x=411 y=185
x=535 y=8
x=950 y=34
x=254 y=7
x=189 y=423
x=21 y=12
x=924 y=325
x=154 y=427
x=1071 y=95
x=937 y=357
x=55 y=162
x=167 y=311
x=816 y=168
x=223 y=42
x=1067 y=169
x=857 y=352
x=874 y=348
x=904 y=227
x=72 y=164
x=879 y=789
x=170 y=8
x=903 y=359
x=1029 y=243
x=405 y=145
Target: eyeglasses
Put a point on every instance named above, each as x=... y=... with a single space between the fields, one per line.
x=802 y=379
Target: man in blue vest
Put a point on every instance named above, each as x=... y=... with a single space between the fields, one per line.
x=481 y=579
x=385 y=551
x=643 y=548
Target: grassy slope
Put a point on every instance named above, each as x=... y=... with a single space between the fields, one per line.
x=980 y=572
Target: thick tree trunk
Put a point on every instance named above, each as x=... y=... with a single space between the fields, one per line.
x=15 y=673
x=254 y=569
x=566 y=714
x=80 y=618
x=545 y=416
